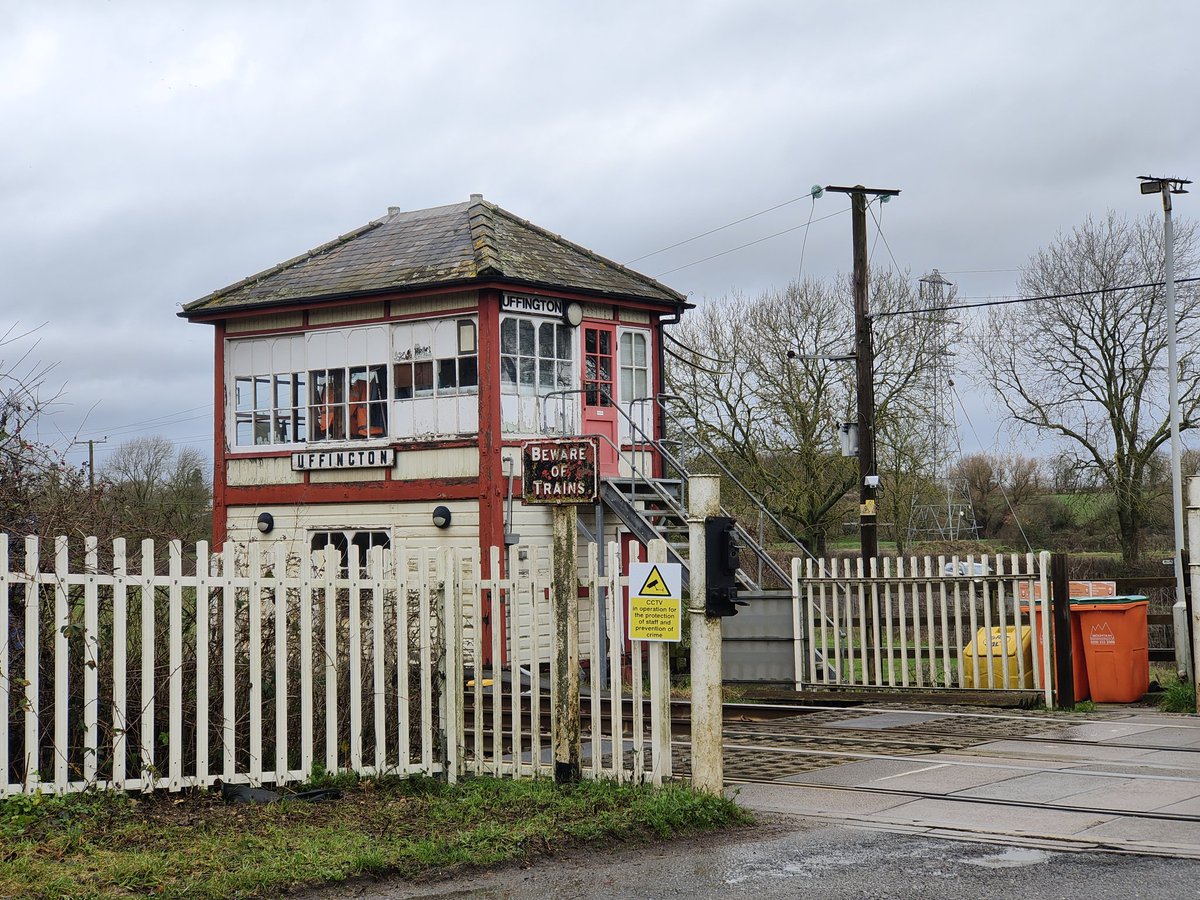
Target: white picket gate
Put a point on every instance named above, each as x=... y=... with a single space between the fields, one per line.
x=177 y=672
x=909 y=622
x=509 y=728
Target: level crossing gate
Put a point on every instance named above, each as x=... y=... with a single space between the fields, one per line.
x=945 y=623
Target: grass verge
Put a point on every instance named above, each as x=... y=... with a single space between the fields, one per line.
x=112 y=845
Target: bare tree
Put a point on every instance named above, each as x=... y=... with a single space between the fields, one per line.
x=157 y=491
x=1087 y=371
x=41 y=494
x=774 y=420
x=998 y=487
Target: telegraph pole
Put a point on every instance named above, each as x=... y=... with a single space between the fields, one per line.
x=864 y=358
x=92 y=460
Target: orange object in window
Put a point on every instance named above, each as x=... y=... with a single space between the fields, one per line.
x=360 y=413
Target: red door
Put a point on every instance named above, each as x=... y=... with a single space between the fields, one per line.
x=600 y=393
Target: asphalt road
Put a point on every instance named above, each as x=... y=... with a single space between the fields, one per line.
x=784 y=857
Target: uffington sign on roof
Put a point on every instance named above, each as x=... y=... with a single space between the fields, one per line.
x=559 y=472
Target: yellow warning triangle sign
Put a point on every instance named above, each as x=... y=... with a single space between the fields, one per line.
x=654 y=586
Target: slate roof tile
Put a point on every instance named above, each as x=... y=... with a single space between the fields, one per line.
x=454 y=244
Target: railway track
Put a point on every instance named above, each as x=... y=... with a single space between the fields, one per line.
x=787 y=751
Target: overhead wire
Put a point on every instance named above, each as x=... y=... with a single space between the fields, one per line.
x=1011 y=300
x=715 y=230
x=689 y=363
x=678 y=343
x=760 y=240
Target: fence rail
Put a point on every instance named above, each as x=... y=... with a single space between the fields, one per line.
x=923 y=623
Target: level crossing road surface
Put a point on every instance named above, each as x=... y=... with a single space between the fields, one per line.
x=1125 y=781
x=893 y=801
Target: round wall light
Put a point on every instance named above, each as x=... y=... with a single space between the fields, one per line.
x=573 y=314
x=441 y=516
x=266 y=522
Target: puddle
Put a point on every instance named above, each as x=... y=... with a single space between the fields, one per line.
x=1012 y=858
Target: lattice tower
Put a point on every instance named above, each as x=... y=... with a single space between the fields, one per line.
x=951 y=517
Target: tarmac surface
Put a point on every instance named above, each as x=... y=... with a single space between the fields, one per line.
x=893 y=802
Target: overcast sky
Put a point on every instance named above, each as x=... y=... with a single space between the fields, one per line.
x=156 y=151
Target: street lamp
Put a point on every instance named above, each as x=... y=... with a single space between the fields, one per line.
x=1167 y=187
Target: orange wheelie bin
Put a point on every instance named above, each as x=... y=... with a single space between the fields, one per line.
x=1116 y=646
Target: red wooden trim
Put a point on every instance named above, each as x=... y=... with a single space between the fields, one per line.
x=491 y=478
x=424 y=489
x=219 y=525
x=386 y=297
x=392 y=297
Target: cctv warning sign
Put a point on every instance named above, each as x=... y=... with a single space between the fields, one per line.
x=655 y=602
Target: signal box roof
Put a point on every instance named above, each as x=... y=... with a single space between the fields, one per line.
x=462 y=244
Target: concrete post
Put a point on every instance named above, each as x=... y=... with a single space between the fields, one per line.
x=708 y=771
x=568 y=747
x=1193 y=515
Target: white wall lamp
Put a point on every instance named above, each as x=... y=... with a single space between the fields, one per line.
x=266 y=522
x=441 y=516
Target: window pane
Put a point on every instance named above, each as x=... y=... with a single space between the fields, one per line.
x=301 y=389
x=526 y=335
x=565 y=370
x=564 y=342
x=605 y=342
x=508 y=370
x=527 y=372
x=283 y=391
x=423 y=378
x=640 y=384
x=626 y=384
x=262 y=428
x=403 y=375
x=243 y=394
x=468 y=371
x=589 y=340
x=546 y=373
x=262 y=392
x=627 y=349
x=546 y=339
x=508 y=336
x=245 y=432
x=447 y=375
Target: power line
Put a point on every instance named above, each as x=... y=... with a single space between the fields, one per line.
x=1011 y=300
x=718 y=228
x=879 y=234
x=752 y=243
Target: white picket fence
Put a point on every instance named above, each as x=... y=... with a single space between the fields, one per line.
x=625 y=694
x=909 y=622
x=176 y=672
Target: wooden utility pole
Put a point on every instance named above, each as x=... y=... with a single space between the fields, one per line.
x=864 y=361
x=92 y=460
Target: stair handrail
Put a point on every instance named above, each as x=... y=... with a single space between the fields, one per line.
x=746 y=539
x=661 y=401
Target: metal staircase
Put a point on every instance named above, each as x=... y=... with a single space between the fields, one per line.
x=653 y=507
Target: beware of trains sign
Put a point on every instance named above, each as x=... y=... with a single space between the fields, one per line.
x=559 y=472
